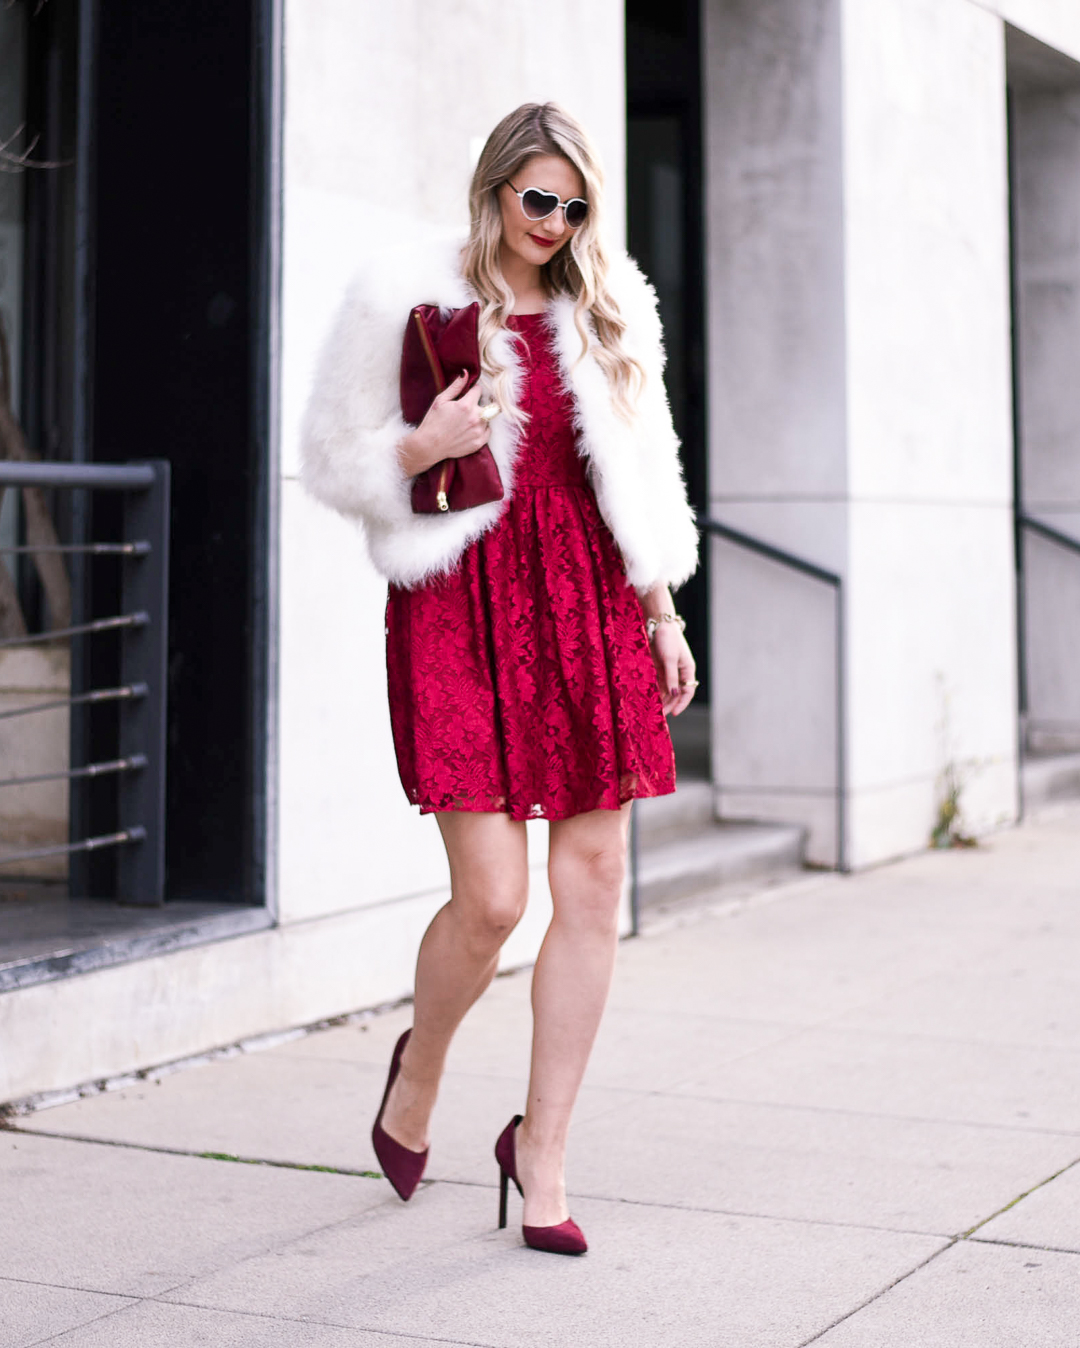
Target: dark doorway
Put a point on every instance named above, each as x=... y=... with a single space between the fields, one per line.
x=665 y=234
x=140 y=329
x=177 y=209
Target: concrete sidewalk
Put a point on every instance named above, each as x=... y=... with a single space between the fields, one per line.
x=847 y=1114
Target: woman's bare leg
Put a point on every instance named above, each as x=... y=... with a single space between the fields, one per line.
x=489 y=880
x=586 y=868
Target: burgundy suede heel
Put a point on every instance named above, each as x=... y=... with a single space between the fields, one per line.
x=402 y=1167
x=566 y=1237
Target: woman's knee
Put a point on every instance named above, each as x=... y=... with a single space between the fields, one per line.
x=489 y=916
x=587 y=884
x=489 y=871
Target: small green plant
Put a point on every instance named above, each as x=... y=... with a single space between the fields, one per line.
x=948 y=828
x=947 y=831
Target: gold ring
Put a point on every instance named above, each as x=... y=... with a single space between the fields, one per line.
x=490 y=411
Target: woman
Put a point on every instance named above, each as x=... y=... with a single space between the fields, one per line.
x=533 y=649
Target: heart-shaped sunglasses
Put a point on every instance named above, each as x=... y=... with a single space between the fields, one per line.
x=536 y=204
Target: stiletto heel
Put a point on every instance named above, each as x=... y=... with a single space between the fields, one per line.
x=402 y=1167
x=564 y=1238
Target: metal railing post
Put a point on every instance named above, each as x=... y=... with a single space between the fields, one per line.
x=635 y=873
x=144 y=660
x=841 y=730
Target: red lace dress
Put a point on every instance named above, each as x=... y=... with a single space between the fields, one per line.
x=521 y=681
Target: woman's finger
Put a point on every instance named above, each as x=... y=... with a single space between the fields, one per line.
x=675 y=671
x=686 y=696
x=451 y=391
x=687 y=682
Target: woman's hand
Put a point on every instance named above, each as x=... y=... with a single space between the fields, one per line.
x=674 y=668
x=451 y=428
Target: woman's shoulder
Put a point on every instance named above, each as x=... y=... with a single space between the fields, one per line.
x=392 y=279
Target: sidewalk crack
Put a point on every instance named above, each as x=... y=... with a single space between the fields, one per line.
x=403 y=1334
x=966 y=1235
x=196 y=1155
x=1024 y=1245
x=880 y=1293
x=105 y=1315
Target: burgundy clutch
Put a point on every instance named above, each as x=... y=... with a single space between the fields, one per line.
x=437 y=348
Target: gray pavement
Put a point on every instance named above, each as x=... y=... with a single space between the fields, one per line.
x=845 y=1112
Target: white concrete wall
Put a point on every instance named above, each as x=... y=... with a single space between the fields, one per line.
x=385 y=109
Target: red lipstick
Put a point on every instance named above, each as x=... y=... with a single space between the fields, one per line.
x=544 y=243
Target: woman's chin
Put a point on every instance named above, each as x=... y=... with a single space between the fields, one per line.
x=535 y=253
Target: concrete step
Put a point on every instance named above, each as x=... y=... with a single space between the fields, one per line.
x=662 y=817
x=684 y=851
x=1049 y=778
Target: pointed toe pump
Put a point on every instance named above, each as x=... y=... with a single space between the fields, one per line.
x=402 y=1167
x=564 y=1238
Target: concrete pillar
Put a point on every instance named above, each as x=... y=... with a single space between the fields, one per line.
x=860 y=402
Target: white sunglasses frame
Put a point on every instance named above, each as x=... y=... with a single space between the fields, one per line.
x=535 y=219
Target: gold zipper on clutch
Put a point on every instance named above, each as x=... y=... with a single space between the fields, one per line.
x=440 y=495
x=432 y=359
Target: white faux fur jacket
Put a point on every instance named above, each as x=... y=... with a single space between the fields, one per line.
x=353 y=426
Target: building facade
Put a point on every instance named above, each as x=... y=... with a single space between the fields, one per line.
x=863 y=221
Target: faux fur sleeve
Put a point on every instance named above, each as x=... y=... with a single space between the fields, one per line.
x=352 y=425
x=675 y=533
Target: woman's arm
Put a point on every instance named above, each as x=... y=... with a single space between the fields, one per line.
x=670 y=652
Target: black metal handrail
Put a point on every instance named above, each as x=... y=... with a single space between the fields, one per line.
x=1051 y=535
x=79 y=700
x=80 y=549
x=141 y=628
x=836 y=583
x=91 y=476
x=80 y=629
x=73 y=774
x=125 y=835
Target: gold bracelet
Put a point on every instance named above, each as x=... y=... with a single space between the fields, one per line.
x=651 y=624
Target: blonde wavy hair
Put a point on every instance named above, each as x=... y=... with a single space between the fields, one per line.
x=580 y=267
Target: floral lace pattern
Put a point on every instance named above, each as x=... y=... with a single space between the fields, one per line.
x=522 y=682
